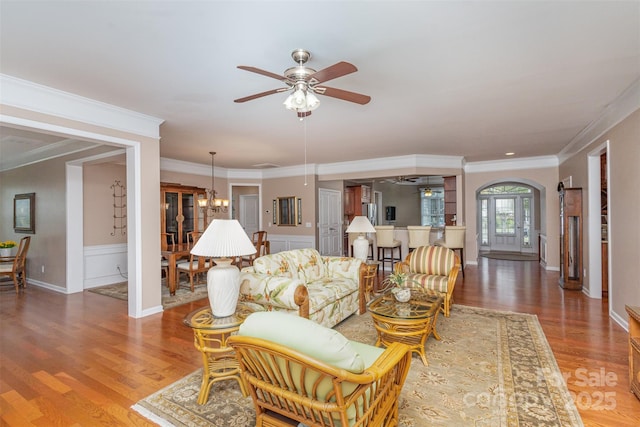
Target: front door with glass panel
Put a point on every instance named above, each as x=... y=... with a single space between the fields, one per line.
x=506 y=219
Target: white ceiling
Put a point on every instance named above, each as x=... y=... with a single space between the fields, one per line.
x=472 y=79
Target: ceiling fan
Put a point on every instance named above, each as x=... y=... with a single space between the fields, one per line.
x=304 y=82
x=405 y=179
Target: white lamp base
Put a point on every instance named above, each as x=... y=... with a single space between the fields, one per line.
x=361 y=248
x=223 y=287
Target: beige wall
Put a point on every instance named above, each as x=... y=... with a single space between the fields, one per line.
x=98 y=204
x=290 y=186
x=405 y=198
x=623 y=210
x=546 y=179
x=48 y=244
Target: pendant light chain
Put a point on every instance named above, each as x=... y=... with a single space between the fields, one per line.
x=305 y=152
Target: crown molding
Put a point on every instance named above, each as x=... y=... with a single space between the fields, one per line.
x=625 y=104
x=172 y=165
x=46 y=100
x=389 y=163
x=512 y=164
x=369 y=165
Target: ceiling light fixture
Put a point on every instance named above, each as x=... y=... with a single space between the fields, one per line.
x=212 y=205
x=303 y=101
x=428 y=192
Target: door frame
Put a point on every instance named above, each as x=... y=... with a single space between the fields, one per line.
x=539 y=206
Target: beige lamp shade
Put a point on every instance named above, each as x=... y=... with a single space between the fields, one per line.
x=224 y=238
x=360 y=224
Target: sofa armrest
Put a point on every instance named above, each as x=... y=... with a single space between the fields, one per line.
x=277 y=291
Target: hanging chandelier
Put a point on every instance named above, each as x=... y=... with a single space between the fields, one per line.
x=212 y=205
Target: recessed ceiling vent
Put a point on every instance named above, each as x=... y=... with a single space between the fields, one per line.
x=266 y=166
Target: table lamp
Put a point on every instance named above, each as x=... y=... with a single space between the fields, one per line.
x=361 y=225
x=223 y=240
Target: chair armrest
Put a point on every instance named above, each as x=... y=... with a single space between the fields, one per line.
x=395 y=354
x=402 y=267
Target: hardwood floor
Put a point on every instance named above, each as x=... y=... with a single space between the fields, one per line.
x=79 y=360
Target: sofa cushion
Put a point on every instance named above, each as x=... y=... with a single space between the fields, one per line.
x=432 y=260
x=305 y=336
x=308 y=264
x=342 y=267
x=278 y=264
x=328 y=291
x=429 y=281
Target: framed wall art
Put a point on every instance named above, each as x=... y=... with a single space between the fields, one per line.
x=24 y=213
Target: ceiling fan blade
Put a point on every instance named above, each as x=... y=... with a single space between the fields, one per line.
x=260 y=95
x=343 y=94
x=333 y=72
x=263 y=72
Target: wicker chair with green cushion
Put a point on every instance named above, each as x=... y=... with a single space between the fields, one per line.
x=299 y=371
x=432 y=267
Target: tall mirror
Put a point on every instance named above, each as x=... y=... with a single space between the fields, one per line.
x=286 y=210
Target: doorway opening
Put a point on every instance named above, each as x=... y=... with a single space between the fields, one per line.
x=246 y=207
x=508 y=218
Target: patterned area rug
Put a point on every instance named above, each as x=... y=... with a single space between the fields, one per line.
x=491 y=368
x=183 y=293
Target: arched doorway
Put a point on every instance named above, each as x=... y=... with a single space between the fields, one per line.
x=508 y=217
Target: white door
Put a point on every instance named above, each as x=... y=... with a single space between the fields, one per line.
x=510 y=223
x=249 y=218
x=329 y=222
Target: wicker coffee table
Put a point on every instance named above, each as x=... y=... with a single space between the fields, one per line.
x=409 y=322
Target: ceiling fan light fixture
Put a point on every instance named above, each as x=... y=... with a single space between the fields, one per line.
x=312 y=101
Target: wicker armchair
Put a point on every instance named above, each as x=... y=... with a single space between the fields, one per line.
x=432 y=267
x=289 y=385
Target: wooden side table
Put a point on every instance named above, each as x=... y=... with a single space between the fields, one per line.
x=634 y=349
x=210 y=338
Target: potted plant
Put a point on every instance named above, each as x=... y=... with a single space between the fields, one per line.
x=5 y=248
x=397 y=283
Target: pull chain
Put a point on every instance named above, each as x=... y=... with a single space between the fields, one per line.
x=305 y=152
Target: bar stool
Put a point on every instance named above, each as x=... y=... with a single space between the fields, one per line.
x=418 y=236
x=454 y=240
x=386 y=242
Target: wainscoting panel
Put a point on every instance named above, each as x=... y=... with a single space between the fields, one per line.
x=283 y=242
x=101 y=264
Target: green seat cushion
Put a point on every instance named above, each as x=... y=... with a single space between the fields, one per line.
x=305 y=336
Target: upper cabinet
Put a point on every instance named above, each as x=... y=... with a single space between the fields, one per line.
x=354 y=197
x=179 y=213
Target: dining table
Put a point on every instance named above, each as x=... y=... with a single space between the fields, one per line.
x=172 y=253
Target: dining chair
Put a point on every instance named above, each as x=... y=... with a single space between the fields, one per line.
x=15 y=267
x=259 y=239
x=194 y=267
x=166 y=239
x=193 y=236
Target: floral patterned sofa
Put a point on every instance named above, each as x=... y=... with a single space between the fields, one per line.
x=324 y=289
